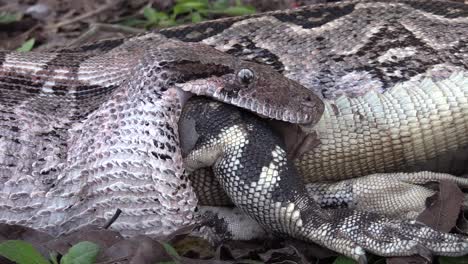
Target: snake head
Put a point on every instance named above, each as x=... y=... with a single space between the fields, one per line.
x=248 y=85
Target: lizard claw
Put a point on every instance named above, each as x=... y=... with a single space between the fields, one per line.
x=423 y=252
x=362 y=259
x=382 y=236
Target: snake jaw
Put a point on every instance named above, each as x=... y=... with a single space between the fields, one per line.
x=293 y=104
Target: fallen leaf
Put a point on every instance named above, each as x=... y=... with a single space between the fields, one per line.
x=102 y=237
x=149 y=251
x=27 y=45
x=462 y=223
x=441 y=214
x=17 y=232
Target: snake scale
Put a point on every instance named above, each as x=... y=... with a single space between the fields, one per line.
x=78 y=127
x=372 y=86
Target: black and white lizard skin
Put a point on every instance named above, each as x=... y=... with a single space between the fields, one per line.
x=250 y=162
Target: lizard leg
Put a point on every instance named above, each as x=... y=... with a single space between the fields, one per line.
x=208 y=189
x=250 y=162
x=382 y=236
x=397 y=195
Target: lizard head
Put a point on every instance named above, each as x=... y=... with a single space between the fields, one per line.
x=248 y=85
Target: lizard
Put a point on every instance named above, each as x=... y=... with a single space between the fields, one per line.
x=393 y=77
x=250 y=162
x=323 y=48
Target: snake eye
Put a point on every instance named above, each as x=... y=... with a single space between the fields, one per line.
x=245 y=76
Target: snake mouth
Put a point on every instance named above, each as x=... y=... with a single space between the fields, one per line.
x=267 y=111
x=306 y=110
x=247 y=85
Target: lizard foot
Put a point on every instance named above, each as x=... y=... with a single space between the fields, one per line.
x=250 y=162
x=396 y=195
x=352 y=232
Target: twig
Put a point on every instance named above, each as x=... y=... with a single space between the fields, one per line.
x=112 y=220
x=96 y=27
x=101 y=9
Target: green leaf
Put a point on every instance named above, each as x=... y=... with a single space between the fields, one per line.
x=220 y=4
x=170 y=250
x=6 y=18
x=187 y=7
x=196 y=17
x=180 y=9
x=53 y=256
x=151 y=14
x=168 y=23
x=148 y=12
x=343 y=260
x=205 y=2
x=84 y=252
x=162 y=16
x=238 y=10
x=27 y=46
x=21 y=252
x=452 y=260
x=155 y=18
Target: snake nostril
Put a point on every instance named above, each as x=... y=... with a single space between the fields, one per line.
x=308 y=101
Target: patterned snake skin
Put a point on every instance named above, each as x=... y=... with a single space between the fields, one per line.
x=84 y=132
x=74 y=124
